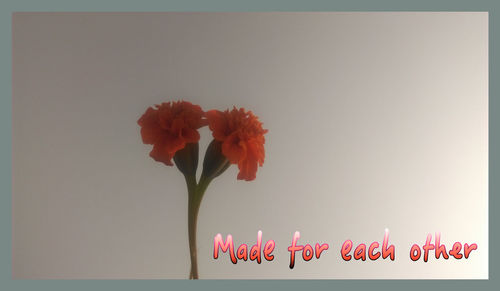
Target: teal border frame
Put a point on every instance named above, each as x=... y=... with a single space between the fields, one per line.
x=7 y=7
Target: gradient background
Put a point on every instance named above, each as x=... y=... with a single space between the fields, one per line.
x=376 y=120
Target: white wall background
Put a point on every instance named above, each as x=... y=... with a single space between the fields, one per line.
x=376 y=120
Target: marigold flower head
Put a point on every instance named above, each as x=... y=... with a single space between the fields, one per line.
x=169 y=127
x=242 y=138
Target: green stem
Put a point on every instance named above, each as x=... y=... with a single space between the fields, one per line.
x=195 y=194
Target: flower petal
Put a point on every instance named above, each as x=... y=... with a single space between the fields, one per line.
x=233 y=149
x=161 y=154
x=217 y=124
x=248 y=170
x=190 y=135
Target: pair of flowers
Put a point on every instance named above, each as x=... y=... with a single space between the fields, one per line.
x=171 y=126
x=172 y=129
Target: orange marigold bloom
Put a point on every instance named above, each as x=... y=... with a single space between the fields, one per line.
x=242 y=138
x=169 y=127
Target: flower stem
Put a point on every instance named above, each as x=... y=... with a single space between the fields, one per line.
x=195 y=194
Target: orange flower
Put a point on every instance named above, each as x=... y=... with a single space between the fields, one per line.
x=242 y=138
x=169 y=127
